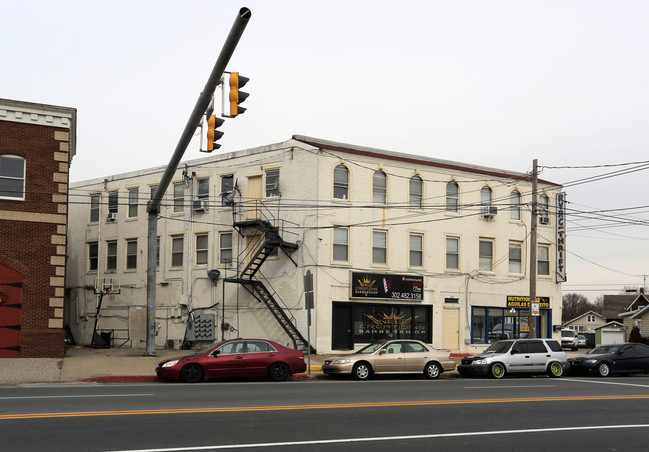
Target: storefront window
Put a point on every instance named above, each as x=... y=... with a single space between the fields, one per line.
x=478 y=332
x=506 y=324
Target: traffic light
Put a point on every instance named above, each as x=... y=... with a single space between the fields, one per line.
x=212 y=134
x=236 y=96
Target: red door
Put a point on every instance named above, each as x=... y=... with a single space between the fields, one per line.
x=10 y=308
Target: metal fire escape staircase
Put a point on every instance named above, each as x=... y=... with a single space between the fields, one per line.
x=269 y=238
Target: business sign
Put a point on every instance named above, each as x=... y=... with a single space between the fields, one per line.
x=561 y=238
x=392 y=287
x=514 y=301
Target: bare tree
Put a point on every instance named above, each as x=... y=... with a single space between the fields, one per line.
x=574 y=305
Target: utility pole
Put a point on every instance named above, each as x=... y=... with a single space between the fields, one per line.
x=153 y=208
x=531 y=320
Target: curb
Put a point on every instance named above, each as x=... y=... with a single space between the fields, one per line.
x=153 y=378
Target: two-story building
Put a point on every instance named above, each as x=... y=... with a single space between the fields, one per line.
x=397 y=245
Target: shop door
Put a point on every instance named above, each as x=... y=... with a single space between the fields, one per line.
x=341 y=338
x=254 y=198
x=451 y=329
x=11 y=292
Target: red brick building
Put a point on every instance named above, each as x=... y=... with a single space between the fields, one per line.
x=37 y=143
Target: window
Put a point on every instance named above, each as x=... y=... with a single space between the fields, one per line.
x=201 y=249
x=452 y=300
x=341 y=244
x=133 y=194
x=111 y=255
x=543 y=260
x=485 y=196
x=177 y=251
x=93 y=256
x=113 y=199
x=203 y=188
x=341 y=182
x=515 y=205
x=131 y=254
x=486 y=255
x=416 y=250
x=544 y=206
x=227 y=190
x=452 y=197
x=453 y=253
x=94 y=207
x=515 y=257
x=416 y=192
x=272 y=183
x=379 y=187
x=179 y=197
x=153 y=189
x=12 y=177
x=225 y=247
x=591 y=318
x=380 y=247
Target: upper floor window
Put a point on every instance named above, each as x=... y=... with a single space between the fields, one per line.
x=272 y=183
x=203 y=188
x=379 y=187
x=341 y=244
x=590 y=318
x=94 y=207
x=544 y=209
x=485 y=196
x=416 y=192
x=225 y=247
x=133 y=194
x=111 y=255
x=380 y=247
x=452 y=197
x=179 y=197
x=416 y=250
x=516 y=257
x=453 y=253
x=113 y=201
x=341 y=182
x=201 y=249
x=177 y=250
x=153 y=189
x=12 y=177
x=515 y=205
x=227 y=189
x=131 y=254
x=543 y=260
x=486 y=255
x=93 y=256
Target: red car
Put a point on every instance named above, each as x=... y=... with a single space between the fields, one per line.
x=235 y=358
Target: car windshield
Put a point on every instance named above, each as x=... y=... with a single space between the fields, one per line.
x=568 y=334
x=603 y=350
x=372 y=347
x=499 y=347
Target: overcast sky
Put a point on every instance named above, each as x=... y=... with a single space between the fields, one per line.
x=493 y=83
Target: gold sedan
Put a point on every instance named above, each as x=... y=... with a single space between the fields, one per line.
x=398 y=356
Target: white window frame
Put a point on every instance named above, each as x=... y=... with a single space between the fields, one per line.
x=95 y=207
x=201 y=249
x=203 y=188
x=177 y=251
x=379 y=246
x=512 y=257
x=414 y=251
x=131 y=255
x=539 y=260
x=133 y=194
x=225 y=250
x=113 y=201
x=272 y=183
x=339 y=185
x=379 y=187
x=93 y=258
x=456 y=253
x=482 y=257
x=179 y=197
x=416 y=193
x=339 y=243
x=453 y=199
x=111 y=256
x=9 y=177
x=515 y=200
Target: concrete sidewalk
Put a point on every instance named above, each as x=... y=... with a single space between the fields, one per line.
x=100 y=365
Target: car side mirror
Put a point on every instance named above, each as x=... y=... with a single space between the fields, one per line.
x=215 y=353
x=382 y=352
x=514 y=352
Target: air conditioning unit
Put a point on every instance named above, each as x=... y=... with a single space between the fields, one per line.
x=112 y=216
x=544 y=219
x=200 y=205
x=489 y=211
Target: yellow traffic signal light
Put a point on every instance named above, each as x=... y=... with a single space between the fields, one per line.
x=212 y=134
x=236 y=96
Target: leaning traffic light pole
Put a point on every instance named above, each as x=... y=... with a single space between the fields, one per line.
x=153 y=208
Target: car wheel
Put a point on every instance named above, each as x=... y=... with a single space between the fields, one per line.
x=497 y=370
x=362 y=371
x=432 y=371
x=603 y=370
x=555 y=370
x=278 y=372
x=191 y=373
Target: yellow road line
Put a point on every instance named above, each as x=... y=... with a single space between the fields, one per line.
x=314 y=407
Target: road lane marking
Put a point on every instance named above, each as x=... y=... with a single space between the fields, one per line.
x=509 y=387
x=314 y=407
x=389 y=438
x=80 y=396
x=606 y=382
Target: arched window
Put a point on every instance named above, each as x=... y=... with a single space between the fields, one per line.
x=341 y=182
x=12 y=177
x=379 y=187
x=416 y=192
x=515 y=205
x=452 y=197
x=485 y=196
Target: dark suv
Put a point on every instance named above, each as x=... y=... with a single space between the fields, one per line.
x=517 y=356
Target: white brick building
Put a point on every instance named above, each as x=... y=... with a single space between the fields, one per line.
x=398 y=245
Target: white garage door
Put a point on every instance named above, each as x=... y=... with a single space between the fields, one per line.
x=612 y=337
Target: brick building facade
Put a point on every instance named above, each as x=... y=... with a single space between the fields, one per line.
x=37 y=143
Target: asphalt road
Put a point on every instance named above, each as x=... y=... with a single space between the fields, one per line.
x=526 y=414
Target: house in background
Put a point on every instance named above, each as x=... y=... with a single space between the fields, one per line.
x=37 y=143
x=614 y=305
x=585 y=322
x=610 y=333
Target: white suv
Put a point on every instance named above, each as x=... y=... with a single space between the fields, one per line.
x=569 y=339
x=517 y=356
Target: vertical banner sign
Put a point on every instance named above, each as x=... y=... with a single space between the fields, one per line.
x=561 y=238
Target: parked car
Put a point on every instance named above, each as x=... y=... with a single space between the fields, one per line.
x=517 y=356
x=399 y=356
x=581 y=341
x=507 y=331
x=569 y=339
x=235 y=358
x=605 y=360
